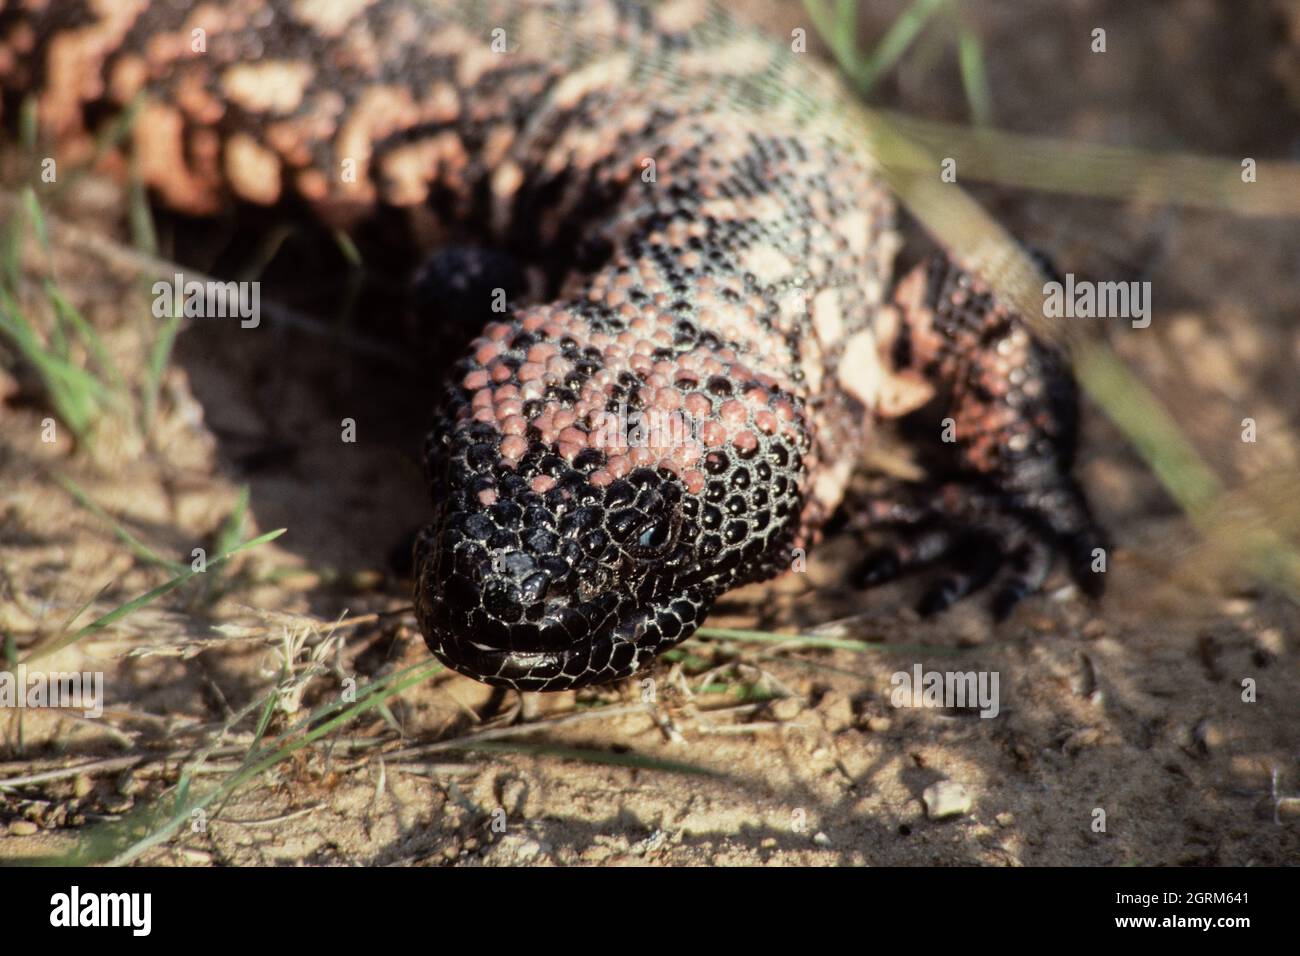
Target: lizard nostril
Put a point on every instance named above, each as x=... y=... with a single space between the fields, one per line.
x=590 y=587
x=622 y=524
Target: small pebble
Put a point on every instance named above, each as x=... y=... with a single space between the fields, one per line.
x=837 y=710
x=118 y=804
x=1288 y=809
x=1094 y=629
x=944 y=799
x=1271 y=640
x=787 y=708
x=514 y=794
x=127 y=783
x=22 y=827
x=1209 y=734
x=651 y=843
x=1254 y=771
x=878 y=725
x=520 y=849
x=1081 y=740
x=821 y=839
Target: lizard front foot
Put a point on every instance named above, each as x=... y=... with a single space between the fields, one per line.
x=975 y=539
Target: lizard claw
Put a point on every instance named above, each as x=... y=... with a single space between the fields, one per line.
x=977 y=540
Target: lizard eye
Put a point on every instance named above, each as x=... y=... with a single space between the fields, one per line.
x=654 y=535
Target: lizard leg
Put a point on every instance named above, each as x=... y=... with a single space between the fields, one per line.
x=970 y=532
x=458 y=290
x=1006 y=502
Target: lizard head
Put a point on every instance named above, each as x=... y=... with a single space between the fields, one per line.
x=549 y=590
x=565 y=551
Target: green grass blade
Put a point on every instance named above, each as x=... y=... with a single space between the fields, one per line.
x=85 y=606
x=148 y=598
x=253 y=770
x=159 y=355
x=72 y=317
x=866 y=71
x=28 y=124
x=974 y=76
x=795 y=641
x=1149 y=427
x=143 y=234
x=134 y=544
x=74 y=393
x=1098 y=170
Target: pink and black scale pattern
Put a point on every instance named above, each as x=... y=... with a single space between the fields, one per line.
x=716 y=248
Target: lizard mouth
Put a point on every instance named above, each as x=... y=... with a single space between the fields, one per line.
x=613 y=649
x=522 y=670
x=502 y=621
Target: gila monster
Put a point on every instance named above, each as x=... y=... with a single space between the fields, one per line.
x=717 y=246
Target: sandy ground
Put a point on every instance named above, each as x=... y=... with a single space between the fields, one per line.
x=1131 y=711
